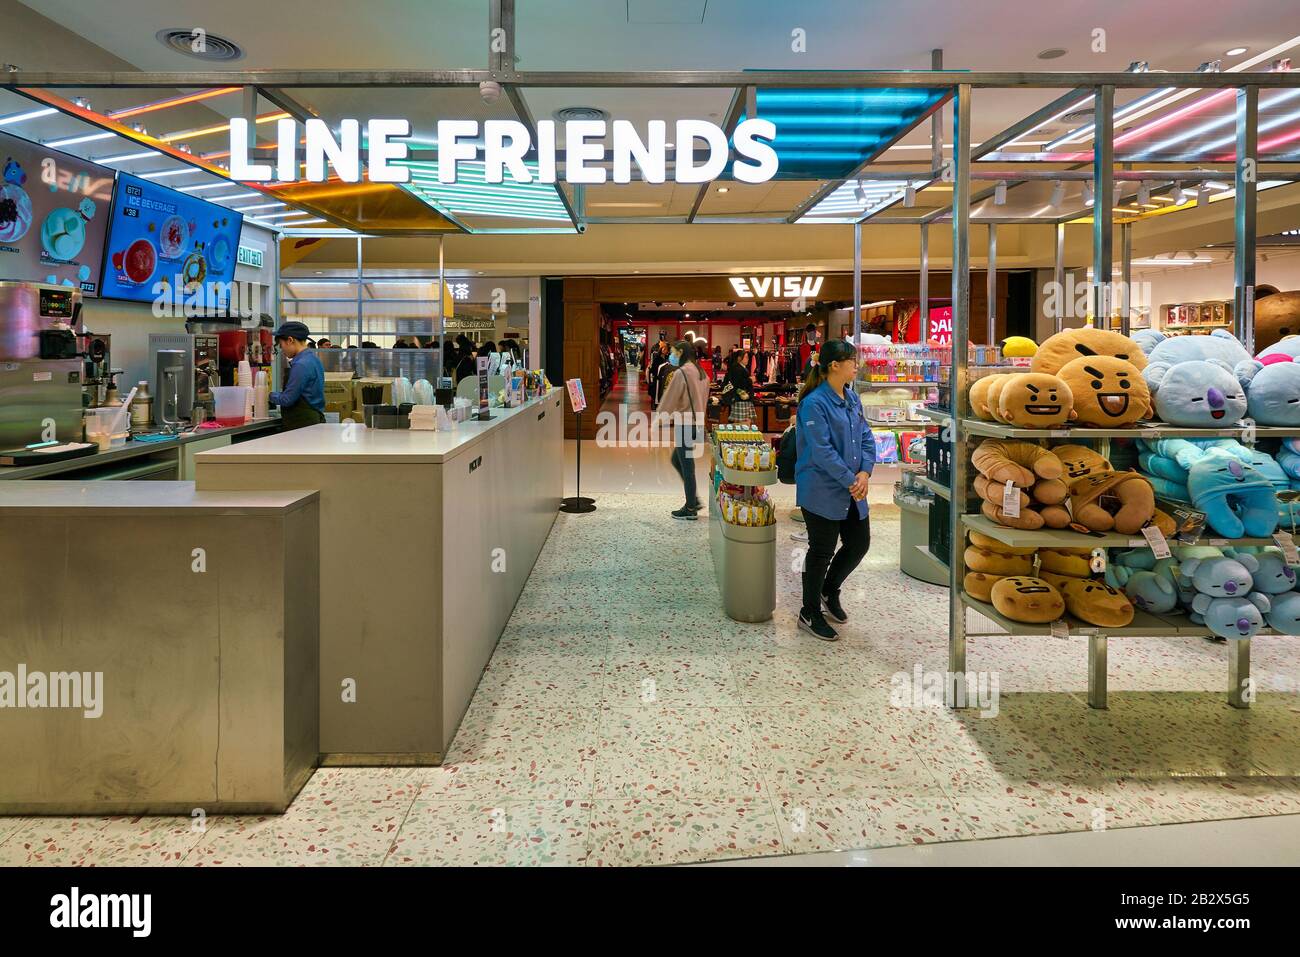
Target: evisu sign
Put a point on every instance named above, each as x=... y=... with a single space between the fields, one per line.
x=777 y=287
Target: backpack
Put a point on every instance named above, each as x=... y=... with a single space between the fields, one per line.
x=786 y=456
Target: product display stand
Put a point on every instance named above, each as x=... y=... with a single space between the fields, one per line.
x=578 y=504
x=744 y=558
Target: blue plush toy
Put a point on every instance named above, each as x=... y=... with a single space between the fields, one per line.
x=1151 y=592
x=1220 y=344
x=1290 y=346
x=1274 y=576
x=1198 y=393
x=1284 y=616
x=1272 y=390
x=1225 y=601
x=1166 y=462
x=1147 y=339
x=1237 y=500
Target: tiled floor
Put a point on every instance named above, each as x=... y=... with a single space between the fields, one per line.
x=625 y=720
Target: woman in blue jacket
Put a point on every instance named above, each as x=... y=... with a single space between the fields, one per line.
x=836 y=452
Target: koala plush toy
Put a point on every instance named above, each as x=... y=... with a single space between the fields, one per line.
x=1225 y=599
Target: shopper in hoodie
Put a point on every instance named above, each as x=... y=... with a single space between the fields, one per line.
x=836 y=453
x=685 y=399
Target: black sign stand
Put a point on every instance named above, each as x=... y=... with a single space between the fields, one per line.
x=578 y=504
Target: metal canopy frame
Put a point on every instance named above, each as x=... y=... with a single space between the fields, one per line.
x=1100 y=86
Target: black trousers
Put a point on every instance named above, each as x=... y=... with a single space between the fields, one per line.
x=824 y=568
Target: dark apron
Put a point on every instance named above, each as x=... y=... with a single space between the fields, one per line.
x=299 y=416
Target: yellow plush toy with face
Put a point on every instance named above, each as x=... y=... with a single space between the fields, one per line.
x=1070 y=344
x=1034 y=400
x=979 y=395
x=1098 y=604
x=1108 y=392
x=1027 y=599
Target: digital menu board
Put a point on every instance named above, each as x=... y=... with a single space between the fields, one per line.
x=53 y=215
x=165 y=243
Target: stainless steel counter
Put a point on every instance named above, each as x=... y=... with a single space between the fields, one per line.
x=159 y=650
x=427 y=539
x=167 y=452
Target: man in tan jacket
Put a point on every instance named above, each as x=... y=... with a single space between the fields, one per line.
x=684 y=406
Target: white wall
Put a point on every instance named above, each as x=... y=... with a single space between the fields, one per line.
x=1216 y=280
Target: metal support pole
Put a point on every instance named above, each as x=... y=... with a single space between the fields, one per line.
x=1103 y=204
x=360 y=283
x=960 y=357
x=1126 y=277
x=857 y=283
x=442 y=321
x=1240 y=686
x=1247 y=200
x=991 y=285
x=1058 y=275
x=1097 y=672
x=936 y=121
x=924 y=317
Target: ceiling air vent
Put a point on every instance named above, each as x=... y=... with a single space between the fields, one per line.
x=579 y=113
x=200 y=45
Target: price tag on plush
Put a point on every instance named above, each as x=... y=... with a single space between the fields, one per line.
x=1288 y=546
x=1156 y=539
x=1060 y=628
x=1011 y=500
x=1098 y=561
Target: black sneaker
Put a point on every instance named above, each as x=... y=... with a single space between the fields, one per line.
x=816 y=625
x=834 y=610
x=698 y=506
x=685 y=514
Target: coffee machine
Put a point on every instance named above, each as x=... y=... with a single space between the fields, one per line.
x=100 y=378
x=183 y=368
x=40 y=371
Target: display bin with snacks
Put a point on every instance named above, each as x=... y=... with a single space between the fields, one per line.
x=742 y=521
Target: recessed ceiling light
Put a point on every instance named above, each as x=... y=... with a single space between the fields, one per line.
x=580 y=113
x=1236 y=51
x=1052 y=53
x=724 y=189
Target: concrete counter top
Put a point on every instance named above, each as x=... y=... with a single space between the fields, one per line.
x=154 y=498
x=351 y=443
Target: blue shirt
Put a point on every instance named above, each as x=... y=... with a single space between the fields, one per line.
x=833 y=444
x=306 y=381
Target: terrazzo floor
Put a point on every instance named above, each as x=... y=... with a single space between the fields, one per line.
x=624 y=720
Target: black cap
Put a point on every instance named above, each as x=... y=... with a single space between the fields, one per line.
x=292 y=330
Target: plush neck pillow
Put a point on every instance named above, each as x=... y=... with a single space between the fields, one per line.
x=1237 y=500
x=1198 y=394
x=1070 y=344
x=1108 y=392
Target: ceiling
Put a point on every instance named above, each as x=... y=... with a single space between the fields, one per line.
x=625 y=35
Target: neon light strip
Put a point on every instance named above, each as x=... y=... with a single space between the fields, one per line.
x=1215 y=124
x=174 y=101
x=161 y=174
x=126 y=157
x=30 y=115
x=223 y=128
x=73 y=140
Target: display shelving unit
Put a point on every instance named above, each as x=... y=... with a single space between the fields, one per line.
x=744 y=557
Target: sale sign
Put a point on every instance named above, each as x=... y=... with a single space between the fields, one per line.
x=941 y=325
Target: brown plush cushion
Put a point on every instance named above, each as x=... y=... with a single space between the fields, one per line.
x=1034 y=400
x=1070 y=344
x=1027 y=599
x=1098 y=604
x=1108 y=392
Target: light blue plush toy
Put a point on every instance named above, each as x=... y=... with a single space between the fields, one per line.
x=1274 y=576
x=1284 y=616
x=1272 y=390
x=1147 y=339
x=1151 y=592
x=1220 y=344
x=1198 y=393
x=1290 y=346
x=1166 y=462
x=1237 y=500
x=1225 y=601
x=1288 y=458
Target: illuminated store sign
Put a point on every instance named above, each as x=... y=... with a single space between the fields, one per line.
x=701 y=154
x=777 y=287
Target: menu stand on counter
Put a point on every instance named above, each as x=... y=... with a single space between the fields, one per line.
x=578 y=504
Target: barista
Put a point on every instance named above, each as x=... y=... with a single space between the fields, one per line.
x=302 y=402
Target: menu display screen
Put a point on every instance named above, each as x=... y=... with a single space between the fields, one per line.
x=53 y=215
x=163 y=243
